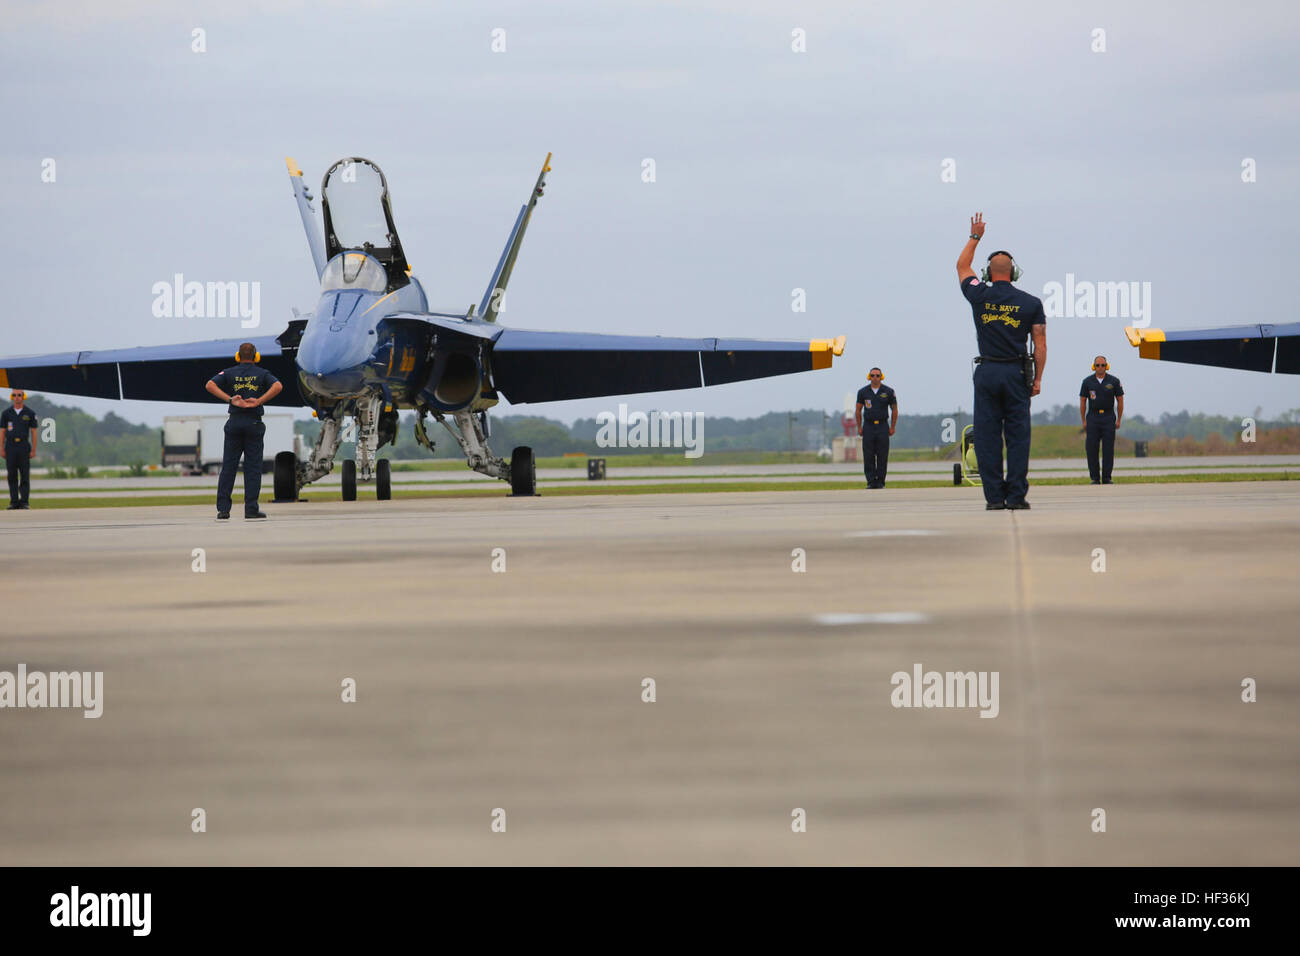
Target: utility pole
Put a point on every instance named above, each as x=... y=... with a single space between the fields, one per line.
x=793 y=419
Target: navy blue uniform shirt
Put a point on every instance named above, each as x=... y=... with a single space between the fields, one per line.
x=17 y=425
x=876 y=405
x=248 y=380
x=1101 y=395
x=1003 y=315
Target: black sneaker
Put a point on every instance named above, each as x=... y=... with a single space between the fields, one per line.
x=24 y=507
x=995 y=506
x=255 y=514
x=1096 y=481
x=1107 y=481
x=223 y=515
x=1018 y=506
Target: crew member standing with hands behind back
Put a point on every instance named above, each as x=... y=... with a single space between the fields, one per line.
x=252 y=387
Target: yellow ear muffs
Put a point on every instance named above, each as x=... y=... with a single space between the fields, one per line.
x=257 y=356
x=1104 y=366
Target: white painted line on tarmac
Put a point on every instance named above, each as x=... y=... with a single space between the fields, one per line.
x=887 y=617
x=908 y=533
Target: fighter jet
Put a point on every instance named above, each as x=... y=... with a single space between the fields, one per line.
x=372 y=348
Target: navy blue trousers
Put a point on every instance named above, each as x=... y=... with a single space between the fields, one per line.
x=1002 y=411
x=18 y=464
x=875 y=452
x=243 y=437
x=1101 y=437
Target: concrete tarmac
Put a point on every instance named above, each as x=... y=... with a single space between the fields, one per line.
x=522 y=690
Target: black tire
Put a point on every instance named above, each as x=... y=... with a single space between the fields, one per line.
x=383 y=480
x=956 y=474
x=523 y=473
x=349 y=480
x=285 y=471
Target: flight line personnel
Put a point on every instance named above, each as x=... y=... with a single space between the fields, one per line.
x=877 y=415
x=19 y=423
x=1101 y=408
x=1006 y=375
x=247 y=388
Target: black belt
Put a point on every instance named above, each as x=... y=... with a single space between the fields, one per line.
x=981 y=359
x=877 y=421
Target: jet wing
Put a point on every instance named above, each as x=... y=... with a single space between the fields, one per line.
x=553 y=366
x=159 y=373
x=1254 y=348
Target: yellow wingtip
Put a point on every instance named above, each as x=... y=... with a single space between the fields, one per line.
x=823 y=349
x=293 y=167
x=1137 y=337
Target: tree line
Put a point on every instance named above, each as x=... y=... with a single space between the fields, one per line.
x=82 y=439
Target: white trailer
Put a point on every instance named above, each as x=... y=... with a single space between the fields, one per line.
x=197 y=442
x=180 y=441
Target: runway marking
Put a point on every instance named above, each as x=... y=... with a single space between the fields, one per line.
x=886 y=617
x=905 y=533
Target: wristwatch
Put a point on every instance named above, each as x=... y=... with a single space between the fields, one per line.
x=975 y=237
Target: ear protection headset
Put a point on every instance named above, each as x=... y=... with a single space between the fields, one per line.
x=882 y=375
x=1104 y=366
x=257 y=356
x=16 y=394
x=1016 y=272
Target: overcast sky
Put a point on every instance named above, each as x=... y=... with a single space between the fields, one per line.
x=775 y=170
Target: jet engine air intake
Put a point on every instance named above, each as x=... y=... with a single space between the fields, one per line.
x=454 y=382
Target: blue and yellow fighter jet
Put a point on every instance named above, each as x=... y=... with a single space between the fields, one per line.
x=372 y=348
x=1253 y=348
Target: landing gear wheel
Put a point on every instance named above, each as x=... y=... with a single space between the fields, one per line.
x=956 y=474
x=523 y=473
x=383 y=480
x=349 y=480
x=285 y=472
